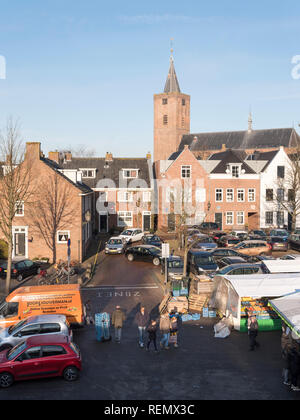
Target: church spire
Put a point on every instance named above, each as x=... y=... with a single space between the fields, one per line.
x=172 y=84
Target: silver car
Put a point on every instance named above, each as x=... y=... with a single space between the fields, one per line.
x=34 y=326
x=115 y=245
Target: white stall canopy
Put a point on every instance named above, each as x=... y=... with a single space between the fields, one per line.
x=288 y=308
x=282 y=266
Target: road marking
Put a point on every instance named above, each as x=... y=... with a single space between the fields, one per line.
x=119 y=287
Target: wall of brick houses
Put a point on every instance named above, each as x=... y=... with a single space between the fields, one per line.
x=251 y=209
x=34 y=241
x=112 y=206
x=172 y=178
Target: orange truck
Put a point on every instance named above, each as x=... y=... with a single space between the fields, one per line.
x=23 y=302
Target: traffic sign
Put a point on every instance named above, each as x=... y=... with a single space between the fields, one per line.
x=165 y=250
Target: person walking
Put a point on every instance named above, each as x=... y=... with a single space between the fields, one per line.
x=252 y=332
x=152 y=330
x=142 y=319
x=174 y=331
x=88 y=313
x=118 y=317
x=165 y=327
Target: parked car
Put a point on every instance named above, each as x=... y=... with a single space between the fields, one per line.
x=278 y=243
x=115 y=245
x=202 y=242
x=231 y=260
x=209 y=226
x=20 y=270
x=228 y=241
x=40 y=357
x=280 y=232
x=219 y=253
x=291 y=257
x=132 y=235
x=241 y=234
x=257 y=234
x=297 y=231
x=152 y=240
x=240 y=269
x=253 y=248
x=200 y=261
x=260 y=258
x=217 y=235
x=144 y=253
x=174 y=265
x=34 y=326
x=294 y=241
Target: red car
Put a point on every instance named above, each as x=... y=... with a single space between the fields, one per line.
x=40 y=357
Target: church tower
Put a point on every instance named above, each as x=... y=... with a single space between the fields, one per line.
x=171 y=116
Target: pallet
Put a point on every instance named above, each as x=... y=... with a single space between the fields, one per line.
x=197 y=302
x=163 y=307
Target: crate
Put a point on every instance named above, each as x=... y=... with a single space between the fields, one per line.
x=205 y=312
x=212 y=314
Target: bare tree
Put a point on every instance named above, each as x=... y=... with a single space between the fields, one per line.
x=53 y=209
x=80 y=150
x=15 y=185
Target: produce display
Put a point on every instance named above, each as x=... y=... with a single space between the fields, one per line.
x=258 y=307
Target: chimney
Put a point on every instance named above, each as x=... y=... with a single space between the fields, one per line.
x=108 y=157
x=54 y=156
x=68 y=157
x=33 y=150
x=148 y=156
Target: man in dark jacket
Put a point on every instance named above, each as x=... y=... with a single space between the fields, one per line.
x=253 y=331
x=142 y=319
x=118 y=317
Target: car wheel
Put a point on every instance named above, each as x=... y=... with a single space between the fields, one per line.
x=6 y=380
x=19 y=278
x=71 y=374
x=130 y=257
x=156 y=261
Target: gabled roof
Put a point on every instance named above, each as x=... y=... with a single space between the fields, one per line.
x=110 y=169
x=228 y=157
x=255 y=139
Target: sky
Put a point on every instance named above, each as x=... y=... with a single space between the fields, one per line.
x=84 y=72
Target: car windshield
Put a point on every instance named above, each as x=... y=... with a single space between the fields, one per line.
x=127 y=233
x=14 y=352
x=233 y=241
x=14 y=328
x=203 y=259
x=115 y=242
x=176 y=264
x=279 y=233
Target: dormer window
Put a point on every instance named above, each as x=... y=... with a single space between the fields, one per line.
x=88 y=173
x=235 y=171
x=130 y=173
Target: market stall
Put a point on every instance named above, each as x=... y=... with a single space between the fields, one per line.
x=239 y=295
x=288 y=309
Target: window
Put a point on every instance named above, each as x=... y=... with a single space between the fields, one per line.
x=88 y=173
x=183 y=102
x=50 y=328
x=269 y=195
x=291 y=195
x=147 y=196
x=30 y=330
x=229 y=195
x=165 y=101
x=63 y=236
x=186 y=171
x=229 y=218
x=32 y=353
x=219 y=194
x=251 y=195
x=280 y=218
x=200 y=195
x=28 y=263
x=130 y=173
x=125 y=196
x=165 y=120
x=235 y=171
x=19 y=209
x=240 y=195
x=240 y=218
x=49 y=351
x=125 y=218
x=280 y=172
x=280 y=194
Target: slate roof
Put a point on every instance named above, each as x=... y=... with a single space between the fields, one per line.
x=112 y=171
x=172 y=84
x=286 y=137
x=228 y=157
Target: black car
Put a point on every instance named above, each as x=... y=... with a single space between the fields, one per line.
x=144 y=253
x=208 y=226
x=231 y=260
x=200 y=261
x=20 y=269
x=294 y=241
x=152 y=240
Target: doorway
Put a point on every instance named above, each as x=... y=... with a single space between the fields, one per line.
x=146 y=221
x=20 y=239
x=103 y=222
x=219 y=220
